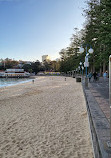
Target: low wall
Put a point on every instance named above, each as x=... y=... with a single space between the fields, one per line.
x=99 y=126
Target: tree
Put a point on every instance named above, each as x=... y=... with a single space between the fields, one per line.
x=27 y=67
x=36 y=66
x=7 y=63
x=98 y=31
x=70 y=57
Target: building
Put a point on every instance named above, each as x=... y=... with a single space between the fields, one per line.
x=14 y=73
x=57 y=59
x=22 y=63
x=45 y=58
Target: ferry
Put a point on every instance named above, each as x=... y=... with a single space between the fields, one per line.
x=14 y=73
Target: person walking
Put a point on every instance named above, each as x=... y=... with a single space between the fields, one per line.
x=98 y=75
x=105 y=75
x=95 y=76
x=33 y=81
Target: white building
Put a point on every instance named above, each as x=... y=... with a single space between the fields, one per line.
x=13 y=73
x=45 y=58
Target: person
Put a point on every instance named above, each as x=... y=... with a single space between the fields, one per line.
x=98 y=75
x=105 y=75
x=33 y=81
x=90 y=76
x=95 y=76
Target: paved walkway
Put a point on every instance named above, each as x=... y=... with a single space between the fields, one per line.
x=102 y=86
x=100 y=91
x=97 y=97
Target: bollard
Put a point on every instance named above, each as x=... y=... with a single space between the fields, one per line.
x=78 y=79
x=73 y=75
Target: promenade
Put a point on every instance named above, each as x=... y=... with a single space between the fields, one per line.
x=44 y=119
x=97 y=97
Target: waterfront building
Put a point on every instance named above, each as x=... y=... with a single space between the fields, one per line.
x=14 y=73
x=45 y=58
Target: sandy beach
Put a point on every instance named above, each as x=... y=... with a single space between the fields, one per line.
x=47 y=119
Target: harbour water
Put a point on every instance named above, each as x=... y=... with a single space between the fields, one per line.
x=4 y=82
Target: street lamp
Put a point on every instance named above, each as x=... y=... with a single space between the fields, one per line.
x=80 y=66
x=80 y=63
x=86 y=63
x=76 y=70
x=82 y=70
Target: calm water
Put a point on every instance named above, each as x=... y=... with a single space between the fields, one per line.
x=12 y=81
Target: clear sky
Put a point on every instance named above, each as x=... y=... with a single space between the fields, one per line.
x=32 y=28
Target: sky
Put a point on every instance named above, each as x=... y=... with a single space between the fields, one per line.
x=32 y=28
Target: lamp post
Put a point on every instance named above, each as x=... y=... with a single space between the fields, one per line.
x=86 y=63
x=80 y=66
x=79 y=69
x=82 y=70
x=76 y=71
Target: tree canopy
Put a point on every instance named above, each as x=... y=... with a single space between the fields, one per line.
x=96 y=34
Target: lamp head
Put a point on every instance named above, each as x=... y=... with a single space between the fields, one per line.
x=80 y=63
x=90 y=50
x=81 y=49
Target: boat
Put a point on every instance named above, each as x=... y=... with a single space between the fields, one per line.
x=14 y=73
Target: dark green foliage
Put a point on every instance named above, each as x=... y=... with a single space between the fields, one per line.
x=7 y=63
x=97 y=33
x=27 y=67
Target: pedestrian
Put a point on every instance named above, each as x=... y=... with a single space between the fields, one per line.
x=105 y=75
x=90 y=76
x=95 y=76
x=98 y=75
x=33 y=81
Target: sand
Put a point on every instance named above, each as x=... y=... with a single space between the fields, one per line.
x=47 y=119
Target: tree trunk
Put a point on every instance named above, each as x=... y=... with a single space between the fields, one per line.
x=100 y=70
x=93 y=68
x=104 y=66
